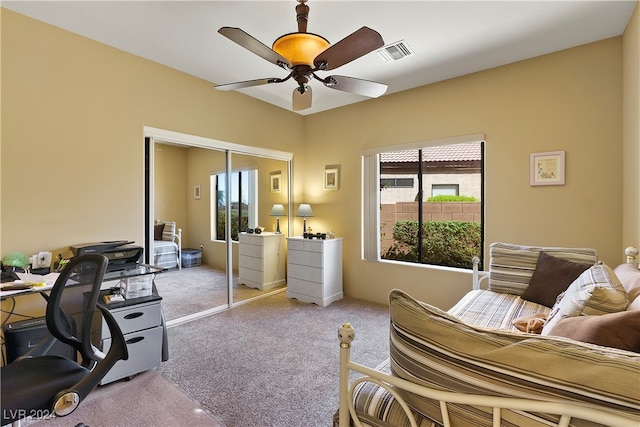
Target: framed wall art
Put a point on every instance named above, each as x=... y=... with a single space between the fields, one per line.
x=276 y=182
x=331 y=179
x=547 y=168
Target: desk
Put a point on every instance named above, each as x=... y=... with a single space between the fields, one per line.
x=140 y=319
x=142 y=270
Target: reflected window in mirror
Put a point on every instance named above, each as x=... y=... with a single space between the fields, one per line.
x=243 y=200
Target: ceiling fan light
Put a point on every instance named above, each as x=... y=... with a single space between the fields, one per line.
x=300 y=48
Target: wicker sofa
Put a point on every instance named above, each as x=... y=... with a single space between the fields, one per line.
x=473 y=366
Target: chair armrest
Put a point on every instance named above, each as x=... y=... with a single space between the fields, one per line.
x=117 y=351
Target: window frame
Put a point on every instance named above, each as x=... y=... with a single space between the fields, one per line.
x=252 y=198
x=370 y=175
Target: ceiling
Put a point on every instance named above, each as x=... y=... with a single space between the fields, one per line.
x=448 y=38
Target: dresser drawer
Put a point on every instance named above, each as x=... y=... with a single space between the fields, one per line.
x=303 y=272
x=250 y=262
x=305 y=245
x=251 y=240
x=135 y=318
x=304 y=287
x=247 y=274
x=253 y=251
x=144 y=350
x=311 y=259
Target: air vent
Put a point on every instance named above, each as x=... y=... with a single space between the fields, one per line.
x=395 y=51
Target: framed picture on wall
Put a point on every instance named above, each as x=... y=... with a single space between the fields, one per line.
x=276 y=182
x=331 y=179
x=547 y=168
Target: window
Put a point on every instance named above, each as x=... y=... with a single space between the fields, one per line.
x=403 y=223
x=445 y=189
x=243 y=200
x=396 y=182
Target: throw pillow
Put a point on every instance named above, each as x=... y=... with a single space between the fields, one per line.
x=618 y=330
x=551 y=277
x=157 y=231
x=168 y=231
x=596 y=291
x=629 y=276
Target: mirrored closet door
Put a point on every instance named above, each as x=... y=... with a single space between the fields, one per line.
x=208 y=188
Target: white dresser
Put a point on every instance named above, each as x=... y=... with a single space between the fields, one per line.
x=314 y=270
x=261 y=260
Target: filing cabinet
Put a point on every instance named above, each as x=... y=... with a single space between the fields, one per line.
x=261 y=260
x=141 y=323
x=314 y=270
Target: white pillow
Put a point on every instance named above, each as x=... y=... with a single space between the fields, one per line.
x=629 y=276
x=596 y=291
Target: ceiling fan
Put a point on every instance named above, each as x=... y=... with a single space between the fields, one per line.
x=303 y=54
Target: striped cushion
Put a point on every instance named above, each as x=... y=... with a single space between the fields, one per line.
x=493 y=310
x=432 y=348
x=168 y=231
x=596 y=291
x=378 y=408
x=511 y=266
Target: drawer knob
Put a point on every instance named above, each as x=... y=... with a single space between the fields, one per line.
x=134 y=340
x=133 y=315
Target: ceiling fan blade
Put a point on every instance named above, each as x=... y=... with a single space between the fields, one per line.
x=254 y=45
x=247 y=83
x=355 y=45
x=301 y=101
x=357 y=86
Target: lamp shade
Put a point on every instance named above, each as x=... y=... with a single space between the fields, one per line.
x=277 y=210
x=304 y=211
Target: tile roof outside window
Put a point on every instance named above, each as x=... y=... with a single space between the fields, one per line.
x=443 y=153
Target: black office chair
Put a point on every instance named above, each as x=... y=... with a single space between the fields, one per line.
x=40 y=385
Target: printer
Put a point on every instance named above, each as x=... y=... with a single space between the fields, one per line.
x=122 y=254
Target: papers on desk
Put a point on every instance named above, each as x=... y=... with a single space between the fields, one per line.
x=5 y=293
x=37 y=279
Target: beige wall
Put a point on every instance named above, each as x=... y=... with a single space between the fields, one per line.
x=73 y=114
x=570 y=100
x=75 y=111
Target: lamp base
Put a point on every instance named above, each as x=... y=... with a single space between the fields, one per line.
x=278 y=226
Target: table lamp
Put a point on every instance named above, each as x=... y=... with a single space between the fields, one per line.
x=305 y=212
x=277 y=211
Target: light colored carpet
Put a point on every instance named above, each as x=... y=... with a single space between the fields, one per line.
x=273 y=362
x=148 y=400
x=195 y=289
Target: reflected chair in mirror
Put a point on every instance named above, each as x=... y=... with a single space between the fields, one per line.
x=39 y=385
